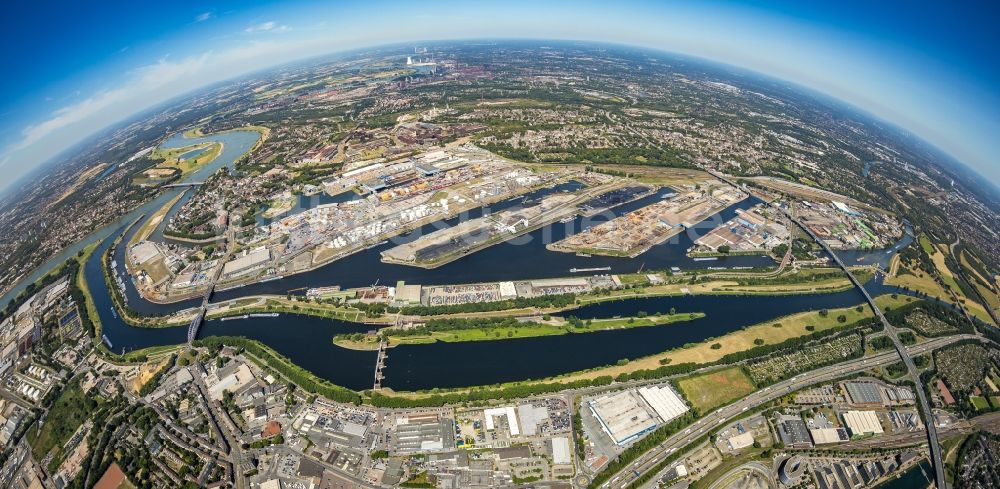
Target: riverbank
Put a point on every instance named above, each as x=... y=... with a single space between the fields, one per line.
x=154 y=220
x=528 y=329
x=809 y=281
x=81 y=283
x=770 y=332
x=676 y=361
x=728 y=287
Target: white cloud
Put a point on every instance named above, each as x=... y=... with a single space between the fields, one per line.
x=202 y=17
x=269 y=26
x=146 y=79
x=142 y=88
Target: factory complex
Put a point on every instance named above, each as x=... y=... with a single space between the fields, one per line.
x=628 y=415
x=636 y=232
x=757 y=229
x=847 y=228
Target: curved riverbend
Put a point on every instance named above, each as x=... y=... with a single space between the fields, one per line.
x=306 y=341
x=235 y=144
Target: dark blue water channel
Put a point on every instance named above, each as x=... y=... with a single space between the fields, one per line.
x=524 y=257
x=413 y=367
x=307 y=340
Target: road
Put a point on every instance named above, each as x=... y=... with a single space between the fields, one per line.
x=893 y=334
x=710 y=421
x=200 y=316
x=225 y=437
x=911 y=369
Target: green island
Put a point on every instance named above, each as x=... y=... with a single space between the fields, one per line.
x=492 y=329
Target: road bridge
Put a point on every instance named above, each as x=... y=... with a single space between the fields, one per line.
x=200 y=316
x=891 y=332
x=183 y=184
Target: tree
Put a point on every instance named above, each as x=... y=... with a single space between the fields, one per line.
x=841 y=318
x=724 y=249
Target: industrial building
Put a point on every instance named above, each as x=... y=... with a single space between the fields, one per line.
x=863 y=393
x=506 y=412
x=560 y=451
x=862 y=422
x=407 y=294
x=740 y=441
x=793 y=432
x=253 y=260
x=628 y=415
x=667 y=404
x=233 y=378
x=423 y=433
x=530 y=417
x=623 y=416
x=825 y=436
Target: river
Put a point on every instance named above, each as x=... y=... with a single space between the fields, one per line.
x=235 y=144
x=307 y=340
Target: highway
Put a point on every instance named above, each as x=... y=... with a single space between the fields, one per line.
x=912 y=372
x=892 y=333
x=710 y=421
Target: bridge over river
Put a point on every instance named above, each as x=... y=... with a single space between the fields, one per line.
x=932 y=438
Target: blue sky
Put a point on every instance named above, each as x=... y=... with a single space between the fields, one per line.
x=73 y=69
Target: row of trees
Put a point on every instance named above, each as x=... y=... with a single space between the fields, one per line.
x=546 y=301
x=502 y=392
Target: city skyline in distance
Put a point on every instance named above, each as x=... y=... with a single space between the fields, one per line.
x=907 y=73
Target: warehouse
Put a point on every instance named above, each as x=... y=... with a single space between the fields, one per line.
x=667 y=404
x=422 y=433
x=862 y=422
x=251 y=261
x=507 y=412
x=560 y=451
x=741 y=441
x=793 y=432
x=863 y=393
x=623 y=416
x=824 y=436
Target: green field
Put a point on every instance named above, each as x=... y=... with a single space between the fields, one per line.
x=925 y=244
x=68 y=412
x=527 y=330
x=979 y=403
x=709 y=391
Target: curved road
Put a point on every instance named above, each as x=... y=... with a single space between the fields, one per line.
x=710 y=421
x=892 y=333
